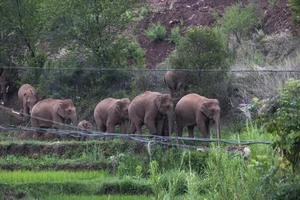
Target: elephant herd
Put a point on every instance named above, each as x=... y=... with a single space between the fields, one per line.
x=153 y=109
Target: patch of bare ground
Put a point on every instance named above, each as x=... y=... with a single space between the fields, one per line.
x=190 y=13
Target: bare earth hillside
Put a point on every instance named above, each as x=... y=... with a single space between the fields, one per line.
x=188 y=13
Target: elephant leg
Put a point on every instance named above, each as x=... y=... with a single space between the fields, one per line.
x=149 y=122
x=160 y=125
x=202 y=127
x=102 y=127
x=139 y=127
x=191 y=131
x=25 y=113
x=136 y=124
x=132 y=128
x=35 y=124
x=123 y=127
x=179 y=129
x=110 y=127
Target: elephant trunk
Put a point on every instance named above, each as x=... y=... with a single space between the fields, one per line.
x=170 y=122
x=217 y=126
x=74 y=120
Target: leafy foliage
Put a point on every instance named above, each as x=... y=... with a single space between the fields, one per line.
x=238 y=20
x=175 y=35
x=156 y=32
x=201 y=49
x=285 y=122
x=295 y=8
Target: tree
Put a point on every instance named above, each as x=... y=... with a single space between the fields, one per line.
x=285 y=123
x=201 y=49
x=20 y=27
x=237 y=21
x=295 y=8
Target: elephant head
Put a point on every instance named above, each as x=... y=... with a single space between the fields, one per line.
x=122 y=108
x=31 y=98
x=176 y=81
x=211 y=110
x=164 y=106
x=66 y=110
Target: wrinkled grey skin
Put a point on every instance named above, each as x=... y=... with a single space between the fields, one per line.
x=176 y=81
x=53 y=113
x=151 y=109
x=111 y=112
x=28 y=97
x=193 y=109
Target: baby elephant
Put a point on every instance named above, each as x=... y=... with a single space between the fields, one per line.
x=84 y=126
x=111 y=112
x=28 y=97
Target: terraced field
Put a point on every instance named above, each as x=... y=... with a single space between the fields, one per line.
x=93 y=169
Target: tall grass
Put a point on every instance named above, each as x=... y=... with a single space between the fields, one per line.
x=231 y=176
x=104 y=197
x=50 y=176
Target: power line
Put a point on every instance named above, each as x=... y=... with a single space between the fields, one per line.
x=143 y=70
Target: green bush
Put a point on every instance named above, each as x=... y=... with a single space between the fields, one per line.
x=285 y=123
x=295 y=8
x=237 y=21
x=202 y=49
x=156 y=32
x=175 y=35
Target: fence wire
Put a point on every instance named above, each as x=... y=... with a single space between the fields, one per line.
x=144 y=138
x=87 y=86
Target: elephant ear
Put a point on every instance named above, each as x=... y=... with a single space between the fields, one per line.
x=119 y=106
x=61 y=109
x=204 y=108
x=158 y=101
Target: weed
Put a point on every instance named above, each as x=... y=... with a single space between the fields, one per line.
x=156 y=32
x=175 y=36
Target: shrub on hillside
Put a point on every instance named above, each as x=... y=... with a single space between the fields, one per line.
x=295 y=8
x=202 y=49
x=285 y=122
x=156 y=32
x=238 y=21
x=175 y=35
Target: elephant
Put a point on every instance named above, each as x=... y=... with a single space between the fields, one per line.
x=151 y=109
x=193 y=109
x=52 y=113
x=84 y=126
x=28 y=97
x=176 y=81
x=111 y=112
x=4 y=87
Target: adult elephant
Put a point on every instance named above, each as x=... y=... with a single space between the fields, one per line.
x=193 y=109
x=176 y=81
x=4 y=87
x=150 y=109
x=52 y=113
x=28 y=97
x=111 y=112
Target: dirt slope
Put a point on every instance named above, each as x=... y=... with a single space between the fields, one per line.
x=188 y=13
